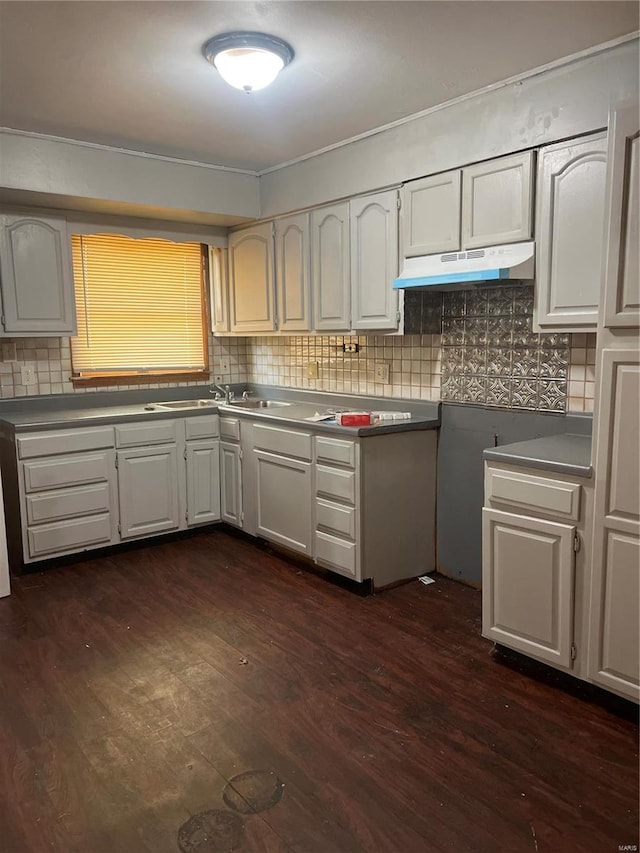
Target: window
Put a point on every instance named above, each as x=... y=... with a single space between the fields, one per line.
x=141 y=310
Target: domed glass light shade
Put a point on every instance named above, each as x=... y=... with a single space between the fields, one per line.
x=248 y=61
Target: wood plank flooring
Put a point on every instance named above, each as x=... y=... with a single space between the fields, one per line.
x=204 y=695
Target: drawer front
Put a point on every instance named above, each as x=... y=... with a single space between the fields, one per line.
x=336 y=554
x=64 y=441
x=336 y=518
x=230 y=429
x=336 y=450
x=337 y=484
x=544 y=494
x=61 y=471
x=206 y=426
x=287 y=442
x=68 y=503
x=134 y=435
x=51 y=539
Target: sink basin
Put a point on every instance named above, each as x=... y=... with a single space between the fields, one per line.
x=255 y=404
x=185 y=404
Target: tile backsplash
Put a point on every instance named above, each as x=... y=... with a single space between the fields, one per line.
x=487 y=355
x=492 y=357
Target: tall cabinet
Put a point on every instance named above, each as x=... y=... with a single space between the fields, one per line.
x=613 y=655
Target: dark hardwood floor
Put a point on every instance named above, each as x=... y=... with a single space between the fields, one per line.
x=203 y=695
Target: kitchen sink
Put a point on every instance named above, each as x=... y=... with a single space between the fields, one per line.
x=254 y=404
x=185 y=404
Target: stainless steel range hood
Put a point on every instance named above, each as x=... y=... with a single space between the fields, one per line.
x=476 y=267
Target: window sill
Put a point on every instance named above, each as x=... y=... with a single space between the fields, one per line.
x=139 y=379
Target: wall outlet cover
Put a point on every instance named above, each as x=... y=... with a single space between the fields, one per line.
x=28 y=374
x=313 y=368
x=382 y=371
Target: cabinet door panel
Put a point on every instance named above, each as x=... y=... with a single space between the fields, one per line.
x=528 y=585
x=497 y=201
x=331 y=268
x=283 y=500
x=148 y=491
x=374 y=261
x=251 y=284
x=569 y=229
x=430 y=215
x=622 y=277
x=615 y=571
x=203 y=482
x=37 y=283
x=230 y=484
x=219 y=287
x=293 y=260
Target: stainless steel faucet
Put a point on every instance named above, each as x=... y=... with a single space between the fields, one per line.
x=226 y=392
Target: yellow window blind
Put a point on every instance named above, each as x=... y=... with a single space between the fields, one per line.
x=140 y=306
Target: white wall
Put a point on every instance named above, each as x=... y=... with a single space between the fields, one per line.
x=50 y=167
x=556 y=104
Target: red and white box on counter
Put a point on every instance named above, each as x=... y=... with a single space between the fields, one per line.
x=353 y=418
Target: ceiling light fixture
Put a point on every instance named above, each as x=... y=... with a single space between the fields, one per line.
x=246 y=60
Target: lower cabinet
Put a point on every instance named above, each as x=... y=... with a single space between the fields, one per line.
x=203 y=482
x=283 y=500
x=536 y=573
x=528 y=585
x=148 y=491
x=230 y=483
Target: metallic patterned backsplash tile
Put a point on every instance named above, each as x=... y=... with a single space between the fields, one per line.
x=492 y=357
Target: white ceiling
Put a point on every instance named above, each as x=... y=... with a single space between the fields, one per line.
x=131 y=74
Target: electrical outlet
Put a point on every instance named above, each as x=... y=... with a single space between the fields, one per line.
x=27 y=375
x=382 y=371
x=312 y=370
x=9 y=352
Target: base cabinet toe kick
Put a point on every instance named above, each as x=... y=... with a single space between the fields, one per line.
x=363 y=508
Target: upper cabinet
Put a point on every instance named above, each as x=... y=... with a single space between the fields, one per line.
x=37 y=280
x=374 y=261
x=331 y=267
x=219 y=289
x=251 y=269
x=569 y=230
x=481 y=205
x=293 y=274
x=621 y=268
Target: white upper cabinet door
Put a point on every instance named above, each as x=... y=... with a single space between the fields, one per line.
x=219 y=289
x=293 y=274
x=331 y=266
x=497 y=199
x=37 y=279
x=569 y=234
x=621 y=275
x=251 y=279
x=528 y=585
x=430 y=215
x=374 y=261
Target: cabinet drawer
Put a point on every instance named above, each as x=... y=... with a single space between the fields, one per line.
x=340 y=519
x=230 y=429
x=336 y=553
x=336 y=450
x=287 y=442
x=64 y=471
x=68 y=503
x=206 y=426
x=133 y=435
x=64 y=441
x=556 y=497
x=336 y=484
x=69 y=535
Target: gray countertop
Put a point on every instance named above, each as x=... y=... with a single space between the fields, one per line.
x=565 y=454
x=20 y=416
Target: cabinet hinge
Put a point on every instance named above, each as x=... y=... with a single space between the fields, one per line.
x=186 y=516
x=241 y=518
x=240 y=454
x=116 y=461
x=185 y=453
x=398 y=318
x=576 y=542
x=398 y=201
x=574 y=651
x=119 y=528
x=2 y=318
